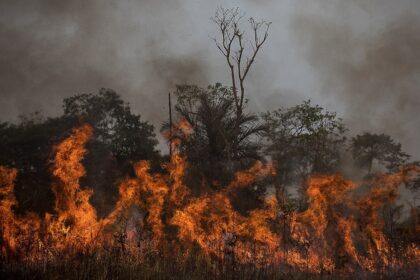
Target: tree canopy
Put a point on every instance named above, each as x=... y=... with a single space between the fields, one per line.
x=120 y=139
x=215 y=146
x=127 y=136
x=369 y=148
x=304 y=139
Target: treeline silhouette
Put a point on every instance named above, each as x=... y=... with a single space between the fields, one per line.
x=303 y=140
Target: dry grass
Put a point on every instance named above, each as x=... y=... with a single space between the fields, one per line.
x=115 y=265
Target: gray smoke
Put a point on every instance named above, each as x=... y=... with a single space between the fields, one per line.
x=360 y=58
x=372 y=70
x=53 y=49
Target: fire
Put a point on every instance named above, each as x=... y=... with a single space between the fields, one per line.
x=131 y=193
x=74 y=224
x=338 y=230
x=19 y=235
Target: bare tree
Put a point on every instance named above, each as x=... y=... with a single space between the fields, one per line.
x=239 y=51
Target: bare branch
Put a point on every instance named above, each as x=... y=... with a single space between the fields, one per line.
x=238 y=55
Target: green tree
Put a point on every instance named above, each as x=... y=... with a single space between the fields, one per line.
x=27 y=146
x=214 y=149
x=368 y=149
x=303 y=140
x=126 y=135
x=121 y=138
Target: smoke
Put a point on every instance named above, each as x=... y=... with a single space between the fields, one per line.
x=359 y=58
x=54 y=49
x=371 y=69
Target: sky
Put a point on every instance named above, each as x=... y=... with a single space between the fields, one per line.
x=360 y=58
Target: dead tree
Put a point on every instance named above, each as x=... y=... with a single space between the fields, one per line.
x=239 y=51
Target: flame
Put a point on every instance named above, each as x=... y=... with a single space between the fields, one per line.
x=75 y=223
x=338 y=230
x=18 y=233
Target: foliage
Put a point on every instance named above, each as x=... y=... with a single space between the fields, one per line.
x=121 y=138
x=27 y=147
x=369 y=148
x=303 y=140
x=127 y=136
x=215 y=148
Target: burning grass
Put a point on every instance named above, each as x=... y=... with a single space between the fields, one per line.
x=158 y=229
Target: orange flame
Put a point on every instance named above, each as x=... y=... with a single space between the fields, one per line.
x=337 y=230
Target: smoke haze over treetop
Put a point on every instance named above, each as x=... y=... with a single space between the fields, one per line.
x=359 y=58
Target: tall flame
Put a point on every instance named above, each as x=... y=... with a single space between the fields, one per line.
x=338 y=230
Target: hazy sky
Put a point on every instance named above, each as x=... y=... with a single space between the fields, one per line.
x=360 y=58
